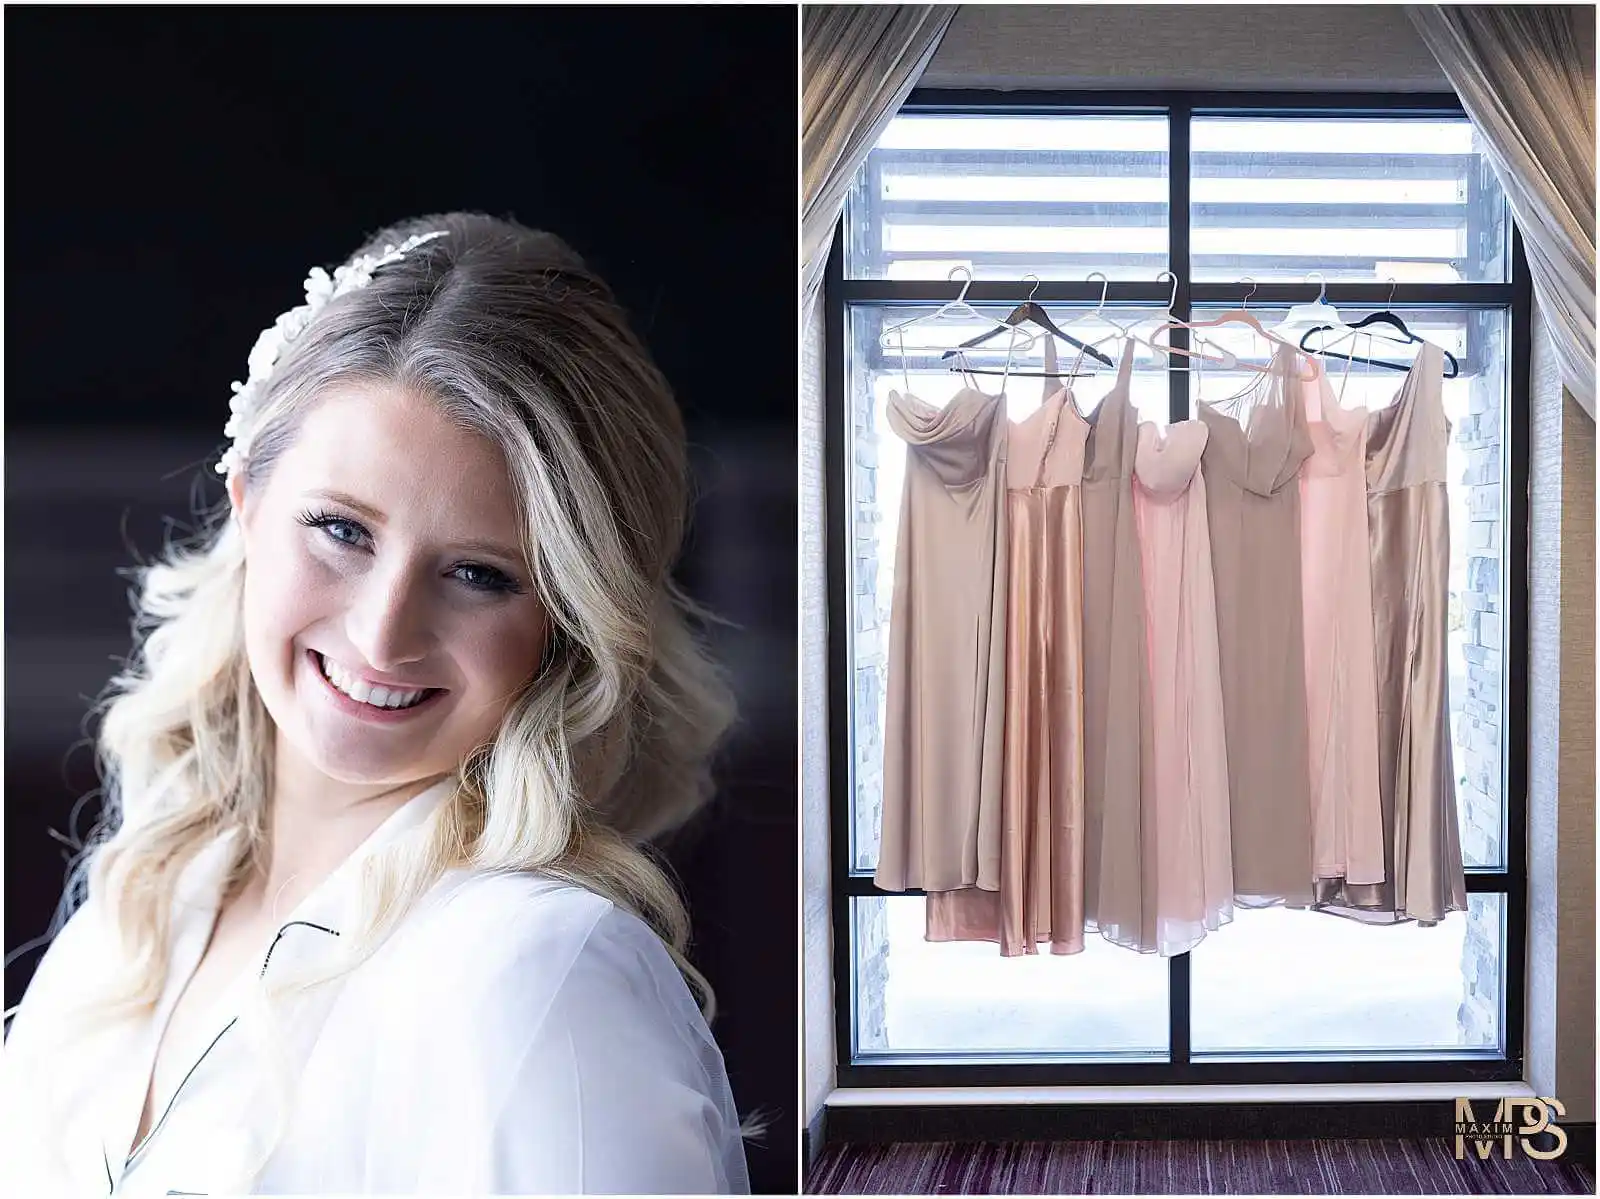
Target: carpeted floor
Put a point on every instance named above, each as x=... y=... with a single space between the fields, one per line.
x=1302 y=1167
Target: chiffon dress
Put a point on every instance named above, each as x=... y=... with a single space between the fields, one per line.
x=1253 y=507
x=943 y=740
x=1408 y=520
x=1194 y=857
x=1040 y=898
x=1119 y=872
x=1341 y=661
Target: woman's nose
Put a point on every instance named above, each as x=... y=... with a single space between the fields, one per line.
x=389 y=622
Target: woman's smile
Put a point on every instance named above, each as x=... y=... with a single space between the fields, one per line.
x=351 y=693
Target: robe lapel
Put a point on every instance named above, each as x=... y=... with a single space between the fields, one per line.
x=309 y=938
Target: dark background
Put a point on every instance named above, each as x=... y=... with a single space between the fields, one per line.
x=172 y=175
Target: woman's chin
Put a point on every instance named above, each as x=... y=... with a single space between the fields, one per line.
x=343 y=760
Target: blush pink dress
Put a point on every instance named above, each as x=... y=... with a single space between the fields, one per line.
x=1341 y=662
x=1194 y=857
x=1040 y=897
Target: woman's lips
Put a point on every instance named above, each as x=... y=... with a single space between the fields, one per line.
x=364 y=711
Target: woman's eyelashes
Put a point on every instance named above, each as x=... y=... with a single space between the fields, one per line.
x=345 y=533
x=487 y=578
x=338 y=528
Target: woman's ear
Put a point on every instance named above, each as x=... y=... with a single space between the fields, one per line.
x=236 y=494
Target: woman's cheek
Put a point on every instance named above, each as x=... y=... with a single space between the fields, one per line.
x=297 y=591
x=501 y=655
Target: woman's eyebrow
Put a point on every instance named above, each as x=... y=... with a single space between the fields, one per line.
x=377 y=517
x=350 y=501
x=491 y=549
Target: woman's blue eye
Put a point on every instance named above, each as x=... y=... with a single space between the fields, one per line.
x=345 y=532
x=485 y=578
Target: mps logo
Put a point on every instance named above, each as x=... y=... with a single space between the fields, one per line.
x=1522 y=1119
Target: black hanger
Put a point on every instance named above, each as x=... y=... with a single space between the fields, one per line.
x=1405 y=335
x=1029 y=311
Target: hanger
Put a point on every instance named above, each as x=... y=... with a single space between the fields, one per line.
x=1125 y=332
x=1317 y=312
x=1118 y=329
x=1386 y=317
x=1030 y=311
x=1229 y=361
x=959 y=306
x=1099 y=309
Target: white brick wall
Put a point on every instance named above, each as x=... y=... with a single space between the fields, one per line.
x=1478 y=716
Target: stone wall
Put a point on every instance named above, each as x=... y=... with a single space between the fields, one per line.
x=871 y=664
x=1478 y=715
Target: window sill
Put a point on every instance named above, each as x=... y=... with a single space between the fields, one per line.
x=1201 y=1093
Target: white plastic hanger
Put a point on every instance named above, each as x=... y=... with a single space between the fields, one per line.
x=1020 y=339
x=1125 y=331
x=1317 y=312
x=958 y=307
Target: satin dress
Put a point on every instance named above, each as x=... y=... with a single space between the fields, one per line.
x=1408 y=519
x=1040 y=898
x=1194 y=854
x=943 y=740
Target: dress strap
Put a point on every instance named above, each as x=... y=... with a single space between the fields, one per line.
x=966 y=369
x=1011 y=353
x=1432 y=383
x=1051 y=367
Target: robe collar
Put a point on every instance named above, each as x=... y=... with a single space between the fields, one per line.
x=330 y=911
x=333 y=905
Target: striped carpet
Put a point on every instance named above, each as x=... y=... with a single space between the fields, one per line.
x=1300 y=1167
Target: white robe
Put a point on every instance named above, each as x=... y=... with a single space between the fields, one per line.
x=514 y=1035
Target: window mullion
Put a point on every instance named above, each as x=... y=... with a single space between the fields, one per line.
x=1178 y=121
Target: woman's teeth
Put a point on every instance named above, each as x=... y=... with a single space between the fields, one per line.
x=377 y=697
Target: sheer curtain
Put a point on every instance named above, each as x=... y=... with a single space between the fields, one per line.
x=1525 y=75
x=859 y=64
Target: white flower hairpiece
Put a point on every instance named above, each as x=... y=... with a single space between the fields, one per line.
x=321 y=289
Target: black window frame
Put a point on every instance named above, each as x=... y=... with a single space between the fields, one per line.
x=1510 y=881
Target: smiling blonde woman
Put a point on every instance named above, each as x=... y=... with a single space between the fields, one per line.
x=370 y=908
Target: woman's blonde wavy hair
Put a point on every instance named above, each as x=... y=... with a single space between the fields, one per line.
x=609 y=744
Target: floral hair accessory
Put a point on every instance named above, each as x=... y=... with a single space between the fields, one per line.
x=321 y=289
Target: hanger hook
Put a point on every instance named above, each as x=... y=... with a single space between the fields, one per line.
x=964 y=272
x=1105 y=289
x=1322 y=293
x=1036 y=285
x=1251 y=292
x=1172 y=300
x=1394 y=286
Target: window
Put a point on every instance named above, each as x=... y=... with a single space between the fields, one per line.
x=1241 y=202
